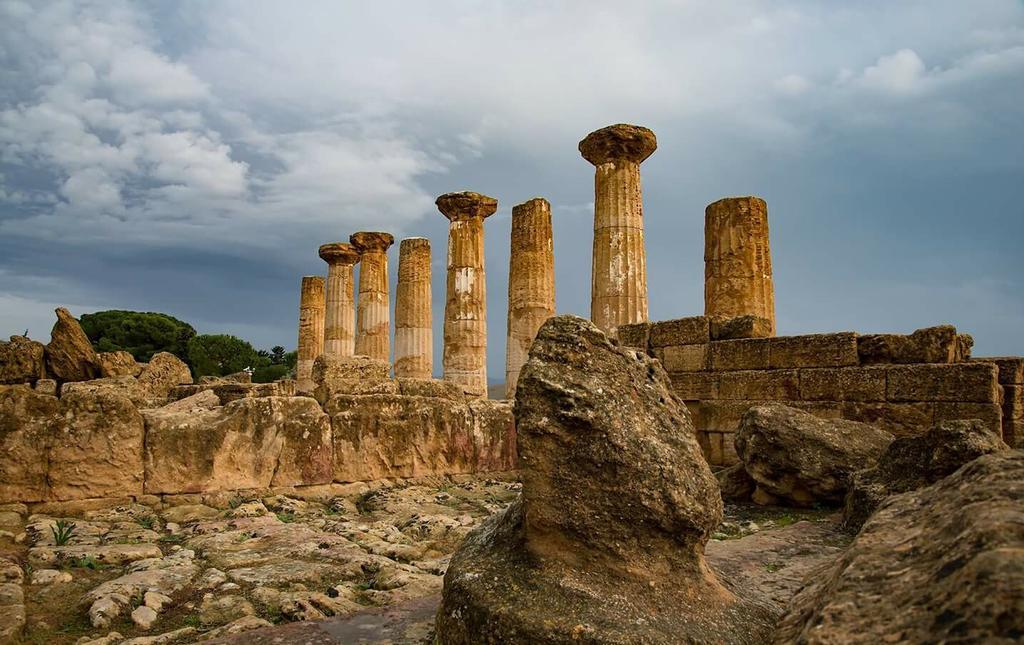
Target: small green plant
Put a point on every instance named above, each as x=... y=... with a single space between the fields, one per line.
x=772 y=567
x=287 y=518
x=235 y=502
x=63 y=531
x=192 y=620
x=172 y=539
x=87 y=562
x=148 y=522
x=246 y=535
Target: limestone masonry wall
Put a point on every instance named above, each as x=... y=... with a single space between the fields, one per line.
x=227 y=436
x=900 y=383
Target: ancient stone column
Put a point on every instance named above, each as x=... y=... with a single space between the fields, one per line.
x=531 y=284
x=373 y=328
x=618 y=291
x=340 y=318
x=738 y=260
x=465 y=309
x=414 y=338
x=311 y=330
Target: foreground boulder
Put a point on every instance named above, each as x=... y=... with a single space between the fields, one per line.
x=21 y=361
x=162 y=373
x=70 y=356
x=798 y=458
x=937 y=565
x=607 y=542
x=915 y=462
x=351 y=375
x=119 y=363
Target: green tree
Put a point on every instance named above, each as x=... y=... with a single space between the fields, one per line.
x=222 y=354
x=142 y=334
x=270 y=373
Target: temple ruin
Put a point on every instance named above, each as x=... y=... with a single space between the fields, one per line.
x=340 y=298
x=373 y=324
x=414 y=335
x=311 y=330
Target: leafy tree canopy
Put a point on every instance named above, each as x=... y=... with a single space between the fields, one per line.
x=142 y=334
x=222 y=354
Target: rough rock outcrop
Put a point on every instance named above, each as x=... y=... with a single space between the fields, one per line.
x=939 y=344
x=21 y=361
x=800 y=458
x=915 y=462
x=162 y=373
x=735 y=483
x=248 y=443
x=607 y=542
x=937 y=565
x=120 y=363
x=87 y=444
x=383 y=435
x=70 y=356
x=334 y=374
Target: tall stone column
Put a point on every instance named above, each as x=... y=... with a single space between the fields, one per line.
x=373 y=328
x=531 y=283
x=465 y=309
x=414 y=338
x=618 y=291
x=340 y=318
x=311 y=330
x=738 y=260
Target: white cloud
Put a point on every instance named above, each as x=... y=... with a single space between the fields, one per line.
x=901 y=72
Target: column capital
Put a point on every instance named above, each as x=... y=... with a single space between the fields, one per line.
x=339 y=253
x=414 y=243
x=466 y=205
x=365 y=241
x=618 y=142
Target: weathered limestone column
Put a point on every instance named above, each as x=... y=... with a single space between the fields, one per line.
x=465 y=309
x=531 y=284
x=414 y=338
x=340 y=319
x=618 y=291
x=738 y=260
x=373 y=329
x=311 y=330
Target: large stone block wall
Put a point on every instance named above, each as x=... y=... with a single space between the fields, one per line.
x=98 y=443
x=839 y=375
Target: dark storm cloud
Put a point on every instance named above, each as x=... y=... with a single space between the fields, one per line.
x=190 y=157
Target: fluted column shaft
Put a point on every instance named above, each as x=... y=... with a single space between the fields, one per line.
x=311 y=331
x=373 y=328
x=465 y=311
x=414 y=338
x=531 y=284
x=738 y=260
x=618 y=293
x=340 y=316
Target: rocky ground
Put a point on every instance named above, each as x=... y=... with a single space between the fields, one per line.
x=367 y=565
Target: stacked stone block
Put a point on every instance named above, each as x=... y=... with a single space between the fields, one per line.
x=1011 y=378
x=719 y=379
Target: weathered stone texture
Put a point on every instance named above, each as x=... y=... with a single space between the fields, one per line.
x=531 y=284
x=414 y=335
x=69 y=355
x=618 y=293
x=27 y=422
x=606 y=544
x=21 y=361
x=120 y=363
x=940 y=344
x=750 y=326
x=162 y=373
x=737 y=260
x=911 y=463
x=311 y=330
x=966 y=382
x=339 y=298
x=249 y=443
x=798 y=457
x=465 y=310
x=373 y=324
x=940 y=564
x=384 y=435
x=351 y=375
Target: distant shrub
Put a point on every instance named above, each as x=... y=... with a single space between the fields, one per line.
x=142 y=334
x=222 y=354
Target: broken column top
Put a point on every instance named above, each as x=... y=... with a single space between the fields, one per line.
x=466 y=205
x=621 y=141
x=414 y=242
x=536 y=202
x=745 y=204
x=371 y=241
x=339 y=253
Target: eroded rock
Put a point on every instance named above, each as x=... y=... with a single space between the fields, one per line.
x=69 y=355
x=915 y=462
x=21 y=361
x=618 y=502
x=119 y=363
x=940 y=564
x=802 y=459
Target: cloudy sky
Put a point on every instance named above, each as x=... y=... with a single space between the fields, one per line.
x=189 y=157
